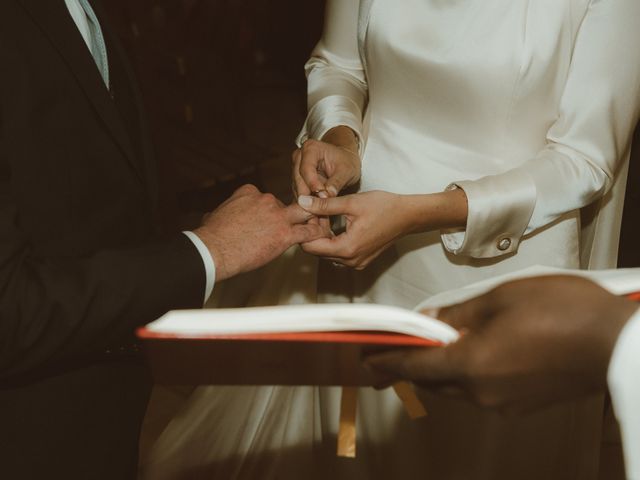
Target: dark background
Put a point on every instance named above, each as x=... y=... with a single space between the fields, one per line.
x=224 y=86
x=630 y=239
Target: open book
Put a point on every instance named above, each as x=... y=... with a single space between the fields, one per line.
x=287 y=345
x=311 y=344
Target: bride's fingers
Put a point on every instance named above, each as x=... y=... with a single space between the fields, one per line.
x=311 y=160
x=325 y=222
x=335 y=248
x=296 y=214
x=365 y=261
x=325 y=207
x=306 y=233
x=299 y=186
x=341 y=179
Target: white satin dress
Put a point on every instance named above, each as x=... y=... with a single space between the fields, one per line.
x=527 y=105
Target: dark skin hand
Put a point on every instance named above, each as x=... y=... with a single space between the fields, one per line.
x=525 y=345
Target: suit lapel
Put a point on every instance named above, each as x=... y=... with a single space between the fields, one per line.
x=118 y=54
x=54 y=20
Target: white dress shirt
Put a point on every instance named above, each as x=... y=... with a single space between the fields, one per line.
x=624 y=385
x=82 y=22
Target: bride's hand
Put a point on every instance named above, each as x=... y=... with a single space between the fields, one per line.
x=373 y=221
x=327 y=167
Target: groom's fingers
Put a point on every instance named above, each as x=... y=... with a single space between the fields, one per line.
x=296 y=214
x=324 y=207
x=307 y=233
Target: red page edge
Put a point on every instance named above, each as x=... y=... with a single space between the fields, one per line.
x=369 y=338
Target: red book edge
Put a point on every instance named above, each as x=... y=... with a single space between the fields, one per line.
x=368 y=338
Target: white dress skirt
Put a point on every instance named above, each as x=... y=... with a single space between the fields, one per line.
x=527 y=105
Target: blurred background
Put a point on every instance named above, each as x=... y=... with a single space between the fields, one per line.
x=224 y=86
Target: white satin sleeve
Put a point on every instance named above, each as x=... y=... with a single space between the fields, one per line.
x=623 y=374
x=585 y=146
x=337 y=90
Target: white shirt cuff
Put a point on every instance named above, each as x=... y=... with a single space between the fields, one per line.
x=624 y=371
x=500 y=207
x=207 y=260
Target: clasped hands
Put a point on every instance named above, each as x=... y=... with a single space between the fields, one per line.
x=252 y=228
x=375 y=219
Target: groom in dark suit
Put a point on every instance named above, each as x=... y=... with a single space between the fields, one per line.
x=81 y=262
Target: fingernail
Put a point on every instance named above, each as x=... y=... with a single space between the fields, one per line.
x=333 y=191
x=305 y=201
x=323 y=194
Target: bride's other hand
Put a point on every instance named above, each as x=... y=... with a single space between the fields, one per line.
x=326 y=167
x=374 y=220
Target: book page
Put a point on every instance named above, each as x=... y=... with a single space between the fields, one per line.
x=363 y=317
x=618 y=282
x=303 y=318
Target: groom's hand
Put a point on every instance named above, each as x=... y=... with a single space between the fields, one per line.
x=252 y=228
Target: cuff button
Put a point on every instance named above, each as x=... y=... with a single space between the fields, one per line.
x=504 y=244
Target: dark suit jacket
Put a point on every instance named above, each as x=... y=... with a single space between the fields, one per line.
x=81 y=264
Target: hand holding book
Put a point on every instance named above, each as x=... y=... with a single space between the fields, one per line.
x=312 y=344
x=527 y=344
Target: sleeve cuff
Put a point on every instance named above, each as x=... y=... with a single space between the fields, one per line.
x=207 y=260
x=500 y=207
x=328 y=113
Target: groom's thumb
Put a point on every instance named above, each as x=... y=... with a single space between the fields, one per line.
x=324 y=207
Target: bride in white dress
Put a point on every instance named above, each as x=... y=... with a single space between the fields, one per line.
x=527 y=107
